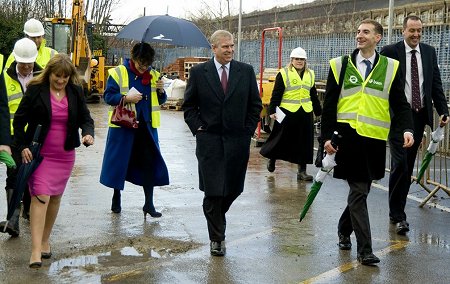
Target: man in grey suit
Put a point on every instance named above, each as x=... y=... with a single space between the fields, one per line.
x=222 y=108
x=423 y=88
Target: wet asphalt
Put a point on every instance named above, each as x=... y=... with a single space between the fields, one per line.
x=265 y=242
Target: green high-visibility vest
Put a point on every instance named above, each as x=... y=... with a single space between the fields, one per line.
x=297 y=90
x=120 y=75
x=364 y=103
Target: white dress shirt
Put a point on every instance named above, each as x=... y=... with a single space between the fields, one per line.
x=408 y=73
x=361 y=65
x=220 y=69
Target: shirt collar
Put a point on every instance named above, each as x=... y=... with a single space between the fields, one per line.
x=408 y=48
x=21 y=76
x=360 y=58
x=218 y=65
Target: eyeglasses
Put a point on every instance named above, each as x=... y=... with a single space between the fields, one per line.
x=299 y=59
x=142 y=66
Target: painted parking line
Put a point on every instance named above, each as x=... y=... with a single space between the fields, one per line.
x=333 y=273
x=419 y=200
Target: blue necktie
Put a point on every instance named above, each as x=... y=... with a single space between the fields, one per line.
x=368 y=68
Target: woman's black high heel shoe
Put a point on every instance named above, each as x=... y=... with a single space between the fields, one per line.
x=36 y=265
x=115 y=205
x=154 y=213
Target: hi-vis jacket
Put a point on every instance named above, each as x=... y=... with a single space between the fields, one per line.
x=1 y=63
x=364 y=104
x=120 y=75
x=296 y=93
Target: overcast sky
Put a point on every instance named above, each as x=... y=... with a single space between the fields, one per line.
x=129 y=10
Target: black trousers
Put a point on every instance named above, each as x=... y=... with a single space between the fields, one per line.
x=356 y=217
x=402 y=165
x=215 y=208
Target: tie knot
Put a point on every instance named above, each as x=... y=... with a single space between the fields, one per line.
x=413 y=51
x=367 y=62
x=224 y=67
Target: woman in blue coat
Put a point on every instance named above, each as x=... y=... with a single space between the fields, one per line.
x=133 y=154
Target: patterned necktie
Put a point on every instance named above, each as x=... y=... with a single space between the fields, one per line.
x=368 y=68
x=416 y=102
x=224 y=79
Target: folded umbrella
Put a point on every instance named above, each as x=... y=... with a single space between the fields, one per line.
x=328 y=164
x=24 y=172
x=436 y=137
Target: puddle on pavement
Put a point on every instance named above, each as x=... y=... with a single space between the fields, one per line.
x=122 y=254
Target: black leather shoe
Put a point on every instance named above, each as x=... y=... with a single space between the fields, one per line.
x=217 y=249
x=368 y=259
x=402 y=227
x=304 y=176
x=271 y=165
x=344 y=242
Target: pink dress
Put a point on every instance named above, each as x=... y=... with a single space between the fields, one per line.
x=51 y=176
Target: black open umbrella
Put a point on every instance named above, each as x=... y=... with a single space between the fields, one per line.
x=25 y=171
x=165 y=29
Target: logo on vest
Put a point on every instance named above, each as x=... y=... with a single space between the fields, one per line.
x=294 y=81
x=372 y=81
x=353 y=79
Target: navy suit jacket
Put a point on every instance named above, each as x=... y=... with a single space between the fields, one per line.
x=432 y=85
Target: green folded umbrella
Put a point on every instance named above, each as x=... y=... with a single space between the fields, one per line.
x=6 y=159
x=436 y=137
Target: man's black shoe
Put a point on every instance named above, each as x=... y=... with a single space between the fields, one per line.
x=217 y=249
x=344 y=242
x=368 y=259
x=402 y=227
x=271 y=165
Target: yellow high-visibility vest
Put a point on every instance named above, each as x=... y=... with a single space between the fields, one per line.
x=364 y=103
x=297 y=91
x=120 y=75
x=15 y=94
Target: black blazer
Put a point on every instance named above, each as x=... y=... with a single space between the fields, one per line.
x=35 y=108
x=432 y=85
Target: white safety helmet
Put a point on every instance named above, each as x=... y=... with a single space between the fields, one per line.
x=25 y=51
x=33 y=28
x=298 y=53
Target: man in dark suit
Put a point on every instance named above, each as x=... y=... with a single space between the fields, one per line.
x=222 y=108
x=358 y=99
x=423 y=87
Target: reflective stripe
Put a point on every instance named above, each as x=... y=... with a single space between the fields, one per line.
x=120 y=83
x=11 y=115
x=296 y=101
x=15 y=96
x=156 y=108
x=365 y=119
x=52 y=52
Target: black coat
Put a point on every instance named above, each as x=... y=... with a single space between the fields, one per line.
x=361 y=158
x=35 y=108
x=229 y=120
x=432 y=85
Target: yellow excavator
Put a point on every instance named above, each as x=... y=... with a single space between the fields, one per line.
x=72 y=36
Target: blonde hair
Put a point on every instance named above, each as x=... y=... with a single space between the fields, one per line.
x=290 y=66
x=59 y=64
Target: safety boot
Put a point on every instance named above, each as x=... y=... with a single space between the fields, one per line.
x=302 y=175
x=12 y=226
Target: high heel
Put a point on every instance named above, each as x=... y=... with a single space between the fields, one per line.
x=36 y=265
x=46 y=255
x=154 y=214
x=115 y=205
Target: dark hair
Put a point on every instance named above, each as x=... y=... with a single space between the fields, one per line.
x=60 y=64
x=412 y=18
x=143 y=53
x=377 y=26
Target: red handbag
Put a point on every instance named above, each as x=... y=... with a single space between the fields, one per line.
x=124 y=115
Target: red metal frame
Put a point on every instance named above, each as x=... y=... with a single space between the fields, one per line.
x=261 y=69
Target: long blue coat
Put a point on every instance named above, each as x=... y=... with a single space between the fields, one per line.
x=117 y=160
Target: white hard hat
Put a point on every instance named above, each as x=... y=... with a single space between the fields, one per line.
x=298 y=53
x=33 y=28
x=25 y=51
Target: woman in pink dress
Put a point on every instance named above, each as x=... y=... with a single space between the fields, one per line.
x=55 y=100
